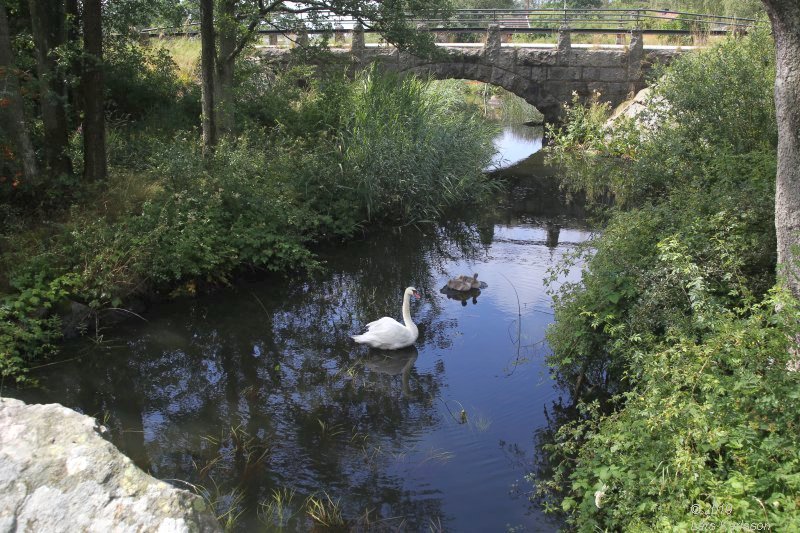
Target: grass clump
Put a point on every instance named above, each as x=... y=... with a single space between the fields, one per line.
x=675 y=343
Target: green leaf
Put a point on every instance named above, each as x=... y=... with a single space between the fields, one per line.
x=567 y=504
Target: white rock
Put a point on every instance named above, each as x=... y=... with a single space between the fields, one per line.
x=631 y=108
x=636 y=108
x=57 y=474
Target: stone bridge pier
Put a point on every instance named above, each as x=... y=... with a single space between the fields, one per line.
x=545 y=77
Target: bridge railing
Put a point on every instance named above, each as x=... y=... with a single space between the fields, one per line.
x=597 y=21
x=589 y=21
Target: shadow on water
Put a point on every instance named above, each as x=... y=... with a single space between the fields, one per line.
x=259 y=389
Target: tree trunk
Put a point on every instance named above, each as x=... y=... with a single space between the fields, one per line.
x=11 y=104
x=73 y=27
x=223 y=100
x=47 y=22
x=785 y=17
x=94 y=130
x=207 y=55
x=73 y=23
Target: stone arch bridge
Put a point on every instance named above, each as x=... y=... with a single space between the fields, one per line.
x=545 y=77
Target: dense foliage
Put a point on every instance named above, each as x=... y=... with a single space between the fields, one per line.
x=689 y=412
x=315 y=158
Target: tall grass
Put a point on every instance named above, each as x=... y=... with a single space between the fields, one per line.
x=185 y=52
x=409 y=151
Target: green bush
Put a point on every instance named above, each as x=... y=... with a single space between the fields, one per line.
x=380 y=148
x=709 y=107
x=407 y=154
x=679 y=345
x=27 y=333
x=707 y=427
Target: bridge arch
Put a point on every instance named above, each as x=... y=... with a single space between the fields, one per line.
x=530 y=90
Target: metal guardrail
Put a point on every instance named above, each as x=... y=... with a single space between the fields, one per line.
x=596 y=18
x=518 y=21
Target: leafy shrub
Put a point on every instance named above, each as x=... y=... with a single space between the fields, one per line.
x=711 y=106
x=232 y=213
x=299 y=100
x=708 y=425
x=26 y=331
x=673 y=328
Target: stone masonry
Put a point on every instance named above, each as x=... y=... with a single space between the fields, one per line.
x=544 y=77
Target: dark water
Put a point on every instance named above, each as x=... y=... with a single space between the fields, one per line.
x=258 y=388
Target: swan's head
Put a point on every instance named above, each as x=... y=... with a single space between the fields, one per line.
x=413 y=292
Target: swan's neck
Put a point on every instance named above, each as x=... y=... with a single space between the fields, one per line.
x=407 y=312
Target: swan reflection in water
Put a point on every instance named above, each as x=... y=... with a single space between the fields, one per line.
x=393 y=363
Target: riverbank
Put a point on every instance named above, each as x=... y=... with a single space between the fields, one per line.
x=314 y=160
x=678 y=341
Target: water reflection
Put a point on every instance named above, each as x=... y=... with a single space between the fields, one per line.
x=553 y=231
x=259 y=388
x=461 y=296
x=389 y=363
x=515 y=144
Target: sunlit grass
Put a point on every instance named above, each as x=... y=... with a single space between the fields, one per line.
x=324 y=511
x=489 y=100
x=185 y=52
x=226 y=505
x=395 y=122
x=278 y=509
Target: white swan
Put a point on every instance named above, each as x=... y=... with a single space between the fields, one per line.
x=389 y=334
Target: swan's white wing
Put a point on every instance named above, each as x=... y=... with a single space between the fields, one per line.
x=387 y=329
x=384 y=324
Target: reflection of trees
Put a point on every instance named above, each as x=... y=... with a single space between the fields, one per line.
x=273 y=366
x=541 y=472
x=534 y=190
x=525 y=133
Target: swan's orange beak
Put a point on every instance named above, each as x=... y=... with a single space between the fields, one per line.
x=417 y=295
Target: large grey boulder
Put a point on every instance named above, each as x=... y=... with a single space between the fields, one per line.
x=644 y=109
x=57 y=473
x=631 y=108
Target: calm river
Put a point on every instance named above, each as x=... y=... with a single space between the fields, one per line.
x=258 y=390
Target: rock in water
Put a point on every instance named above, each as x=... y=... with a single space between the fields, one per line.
x=57 y=473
